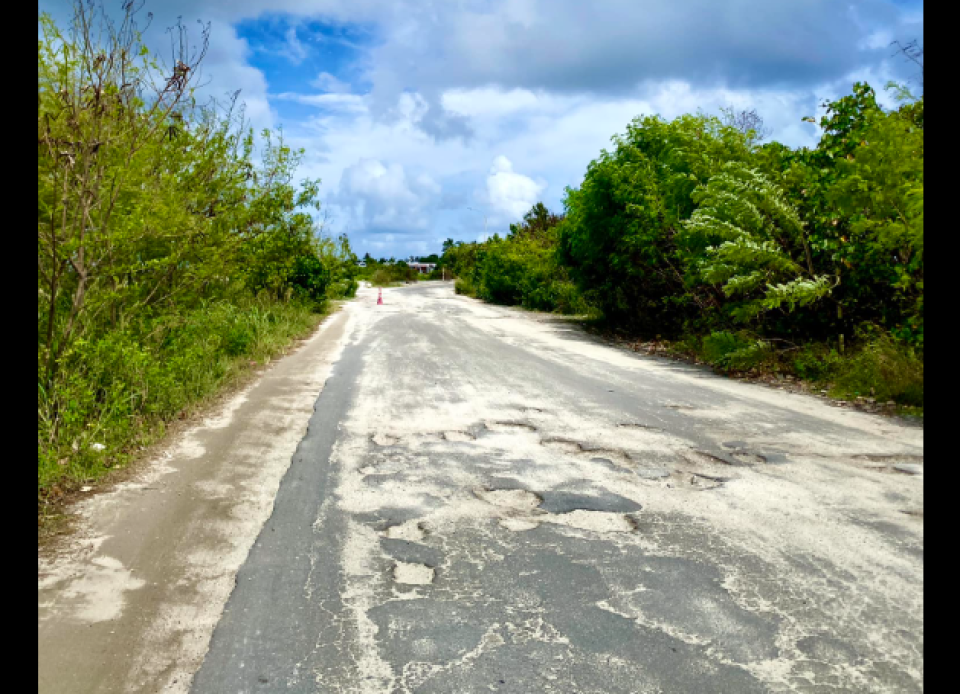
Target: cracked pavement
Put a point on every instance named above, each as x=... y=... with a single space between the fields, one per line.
x=489 y=500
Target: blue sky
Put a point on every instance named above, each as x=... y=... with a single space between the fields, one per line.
x=412 y=111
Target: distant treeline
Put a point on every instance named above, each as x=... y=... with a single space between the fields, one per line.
x=387 y=271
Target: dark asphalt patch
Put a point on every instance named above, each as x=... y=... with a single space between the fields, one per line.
x=411 y=552
x=565 y=502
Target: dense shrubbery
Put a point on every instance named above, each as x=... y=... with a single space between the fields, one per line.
x=691 y=230
x=522 y=268
x=116 y=385
x=167 y=249
x=383 y=274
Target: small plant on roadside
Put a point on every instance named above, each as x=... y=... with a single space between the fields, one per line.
x=884 y=369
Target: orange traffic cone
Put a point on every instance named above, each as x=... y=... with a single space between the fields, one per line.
x=379 y=297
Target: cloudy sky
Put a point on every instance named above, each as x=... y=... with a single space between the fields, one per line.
x=426 y=119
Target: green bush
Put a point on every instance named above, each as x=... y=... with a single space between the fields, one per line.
x=884 y=368
x=735 y=351
x=199 y=255
x=815 y=362
x=618 y=236
x=464 y=286
x=342 y=289
x=521 y=269
x=717 y=345
x=385 y=275
x=118 y=389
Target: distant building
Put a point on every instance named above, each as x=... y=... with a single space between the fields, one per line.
x=423 y=268
x=361 y=263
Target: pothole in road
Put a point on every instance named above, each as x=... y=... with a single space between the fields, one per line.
x=565 y=445
x=749 y=458
x=411 y=531
x=518 y=525
x=698 y=480
x=738 y=445
x=603 y=512
x=382 y=439
x=889 y=464
x=638 y=425
x=909 y=468
x=459 y=436
x=426 y=437
x=704 y=458
x=595 y=521
x=598 y=452
x=906 y=458
x=413 y=574
x=567 y=502
x=710 y=473
x=411 y=552
x=652 y=473
x=612 y=454
x=504 y=425
x=740 y=451
x=515 y=499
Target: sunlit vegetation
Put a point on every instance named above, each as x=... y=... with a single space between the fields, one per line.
x=174 y=247
x=751 y=256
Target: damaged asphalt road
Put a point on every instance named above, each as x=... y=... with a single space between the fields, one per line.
x=489 y=501
x=483 y=499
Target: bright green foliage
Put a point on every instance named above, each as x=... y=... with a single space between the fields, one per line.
x=339 y=264
x=521 y=269
x=884 y=369
x=880 y=194
x=734 y=351
x=618 y=234
x=690 y=228
x=154 y=215
x=384 y=274
x=516 y=271
x=687 y=226
x=860 y=195
x=746 y=237
x=117 y=384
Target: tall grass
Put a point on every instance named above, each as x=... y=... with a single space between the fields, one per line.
x=115 y=393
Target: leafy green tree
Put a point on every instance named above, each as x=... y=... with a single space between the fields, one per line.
x=277 y=230
x=617 y=237
x=746 y=237
x=106 y=116
x=859 y=193
x=164 y=251
x=879 y=193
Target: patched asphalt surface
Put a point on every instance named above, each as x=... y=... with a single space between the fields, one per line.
x=491 y=501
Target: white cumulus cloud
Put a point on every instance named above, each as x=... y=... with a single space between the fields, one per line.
x=383 y=197
x=510 y=193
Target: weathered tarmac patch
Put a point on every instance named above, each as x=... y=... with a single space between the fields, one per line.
x=565 y=502
x=413 y=574
x=515 y=499
x=518 y=525
x=459 y=436
x=411 y=531
x=385 y=439
x=596 y=521
x=411 y=552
